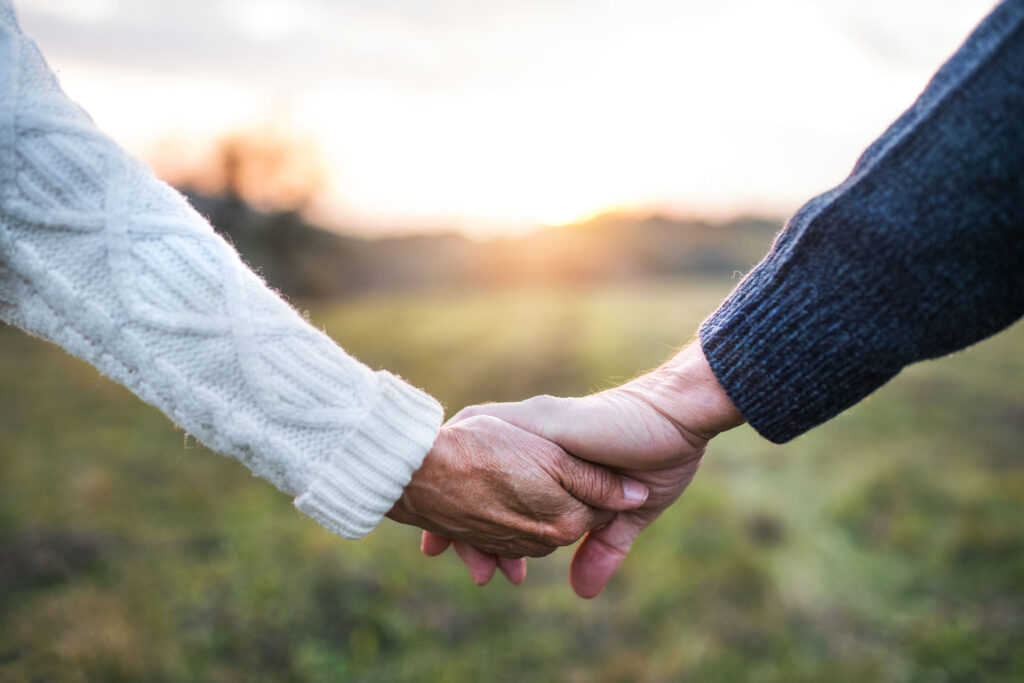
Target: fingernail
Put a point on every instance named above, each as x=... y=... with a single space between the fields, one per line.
x=634 y=491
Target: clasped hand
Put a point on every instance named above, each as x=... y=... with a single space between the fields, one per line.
x=509 y=480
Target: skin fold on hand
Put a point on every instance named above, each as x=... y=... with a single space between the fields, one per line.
x=505 y=491
x=653 y=429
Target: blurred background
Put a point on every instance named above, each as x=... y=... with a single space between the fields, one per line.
x=496 y=199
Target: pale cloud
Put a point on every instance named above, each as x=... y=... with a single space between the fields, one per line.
x=498 y=113
x=81 y=11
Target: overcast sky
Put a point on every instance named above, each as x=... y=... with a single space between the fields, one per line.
x=491 y=116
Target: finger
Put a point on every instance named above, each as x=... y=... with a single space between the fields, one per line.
x=481 y=565
x=514 y=569
x=433 y=545
x=464 y=414
x=601 y=554
x=539 y=414
x=598 y=486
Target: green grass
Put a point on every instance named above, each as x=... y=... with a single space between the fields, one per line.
x=887 y=545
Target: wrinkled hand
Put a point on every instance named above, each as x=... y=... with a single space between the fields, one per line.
x=508 y=492
x=654 y=429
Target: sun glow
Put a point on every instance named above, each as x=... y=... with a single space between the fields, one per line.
x=496 y=117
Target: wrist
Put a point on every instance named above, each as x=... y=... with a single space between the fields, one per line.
x=405 y=509
x=420 y=496
x=686 y=391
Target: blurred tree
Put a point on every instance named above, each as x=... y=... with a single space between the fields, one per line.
x=254 y=185
x=269 y=169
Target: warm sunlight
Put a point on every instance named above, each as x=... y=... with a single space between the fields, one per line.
x=321 y=321
x=492 y=118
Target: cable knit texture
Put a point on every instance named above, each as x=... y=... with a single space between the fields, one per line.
x=102 y=258
x=919 y=253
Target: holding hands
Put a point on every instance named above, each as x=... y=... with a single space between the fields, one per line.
x=508 y=492
x=652 y=430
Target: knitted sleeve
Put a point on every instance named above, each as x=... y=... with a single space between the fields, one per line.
x=920 y=252
x=102 y=258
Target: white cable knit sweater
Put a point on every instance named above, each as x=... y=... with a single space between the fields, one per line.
x=102 y=258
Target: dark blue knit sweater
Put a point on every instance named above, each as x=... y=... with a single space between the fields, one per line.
x=920 y=252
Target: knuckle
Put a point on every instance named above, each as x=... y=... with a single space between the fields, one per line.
x=543 y=403
x=466 y=413
x=605 y=484
x=564 y=532
x=595 y=483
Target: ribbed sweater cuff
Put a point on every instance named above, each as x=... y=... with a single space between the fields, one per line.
x=354 y=490
x=789 y=354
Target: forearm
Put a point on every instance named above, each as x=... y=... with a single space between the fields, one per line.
x=919 y=253
x=100 y=257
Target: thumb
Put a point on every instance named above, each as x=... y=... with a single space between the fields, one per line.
x=599 y=487
x=542 y=415
x=601 y=554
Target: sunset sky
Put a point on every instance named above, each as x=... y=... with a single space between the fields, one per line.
x=493 y=116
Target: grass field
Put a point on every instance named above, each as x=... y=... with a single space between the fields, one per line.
x=887 y=545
